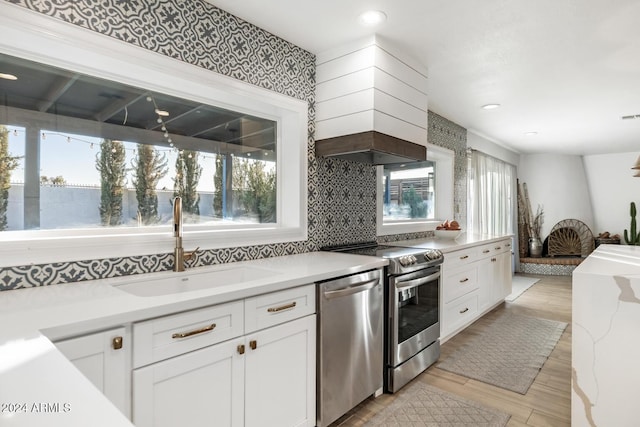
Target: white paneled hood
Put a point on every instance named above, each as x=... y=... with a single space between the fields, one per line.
x=371 y=104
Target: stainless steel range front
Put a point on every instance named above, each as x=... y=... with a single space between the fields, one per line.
x=412 y=318
x=413 y=321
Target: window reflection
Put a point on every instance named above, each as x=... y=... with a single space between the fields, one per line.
x=94 y=153
x=409 y=192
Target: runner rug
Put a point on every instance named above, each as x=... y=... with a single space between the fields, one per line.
x=509 y=353
x=420 y=404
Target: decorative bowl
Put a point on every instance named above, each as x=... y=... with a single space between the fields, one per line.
x=447 y=234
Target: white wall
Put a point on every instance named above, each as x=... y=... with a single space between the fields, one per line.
x=559 y=184
x=612 y=188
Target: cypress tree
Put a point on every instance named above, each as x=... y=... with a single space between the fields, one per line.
x=217 y=185
x=186 y=180
x=149 y=166
x=110 y=162
x=7 y=164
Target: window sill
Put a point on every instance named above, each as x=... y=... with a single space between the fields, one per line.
x=401 y=227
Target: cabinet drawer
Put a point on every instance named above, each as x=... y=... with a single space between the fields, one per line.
x=278 y=307
x=168 y=336
x=460 y=312
x=459 y=258
x=495 y=248
x=459 y=282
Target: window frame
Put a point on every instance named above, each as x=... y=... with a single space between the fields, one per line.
x=444 y=179
x=44 y=39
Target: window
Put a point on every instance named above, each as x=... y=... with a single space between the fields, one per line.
x=103 y=136
x=416 y=197
x=491 y=196
x=221 y=162
x=409 y=192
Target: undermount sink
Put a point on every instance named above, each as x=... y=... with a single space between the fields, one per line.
x=187 y=281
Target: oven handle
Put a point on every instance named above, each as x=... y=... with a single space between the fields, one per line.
x=416 y=282
x=353 y=289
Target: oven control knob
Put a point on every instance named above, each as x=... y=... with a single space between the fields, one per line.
x=431 y=255
x=407 y=260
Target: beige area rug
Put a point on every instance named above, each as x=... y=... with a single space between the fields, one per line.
x=509 y=353
x=420 y=404
x=519 y=284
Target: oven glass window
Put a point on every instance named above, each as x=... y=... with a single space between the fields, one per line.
x=417 y=309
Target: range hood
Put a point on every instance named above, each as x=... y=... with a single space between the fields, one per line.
x=371 y=147
x=371 y=104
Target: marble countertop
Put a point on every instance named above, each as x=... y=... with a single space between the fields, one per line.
x=605 y=344
x=465 y=240
x=33 y=371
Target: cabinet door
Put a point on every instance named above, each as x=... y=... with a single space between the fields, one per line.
x=281 y=375
x=201 y=388
x=103 y=361
x=503 y=276
x=486 y=283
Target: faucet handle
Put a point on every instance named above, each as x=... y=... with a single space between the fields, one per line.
x=190 y=254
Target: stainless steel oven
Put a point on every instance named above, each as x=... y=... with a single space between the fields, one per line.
x=413 y=325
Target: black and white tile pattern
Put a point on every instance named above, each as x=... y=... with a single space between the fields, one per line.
x=341 y=194
x=445 y=133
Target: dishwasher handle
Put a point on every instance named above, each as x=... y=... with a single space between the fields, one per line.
x=352 y=289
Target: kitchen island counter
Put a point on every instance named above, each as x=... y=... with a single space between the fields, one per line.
x=605 y=347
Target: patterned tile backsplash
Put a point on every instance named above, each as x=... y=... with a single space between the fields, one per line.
x=341 y=194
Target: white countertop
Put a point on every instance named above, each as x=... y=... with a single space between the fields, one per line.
x=463 y=241
x=33 y=371
x=605 y=344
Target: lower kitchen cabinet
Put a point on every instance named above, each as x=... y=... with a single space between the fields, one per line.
x=103 y=358
x=266 y=378
x=474 y=280
x=249 y=362
x=201 y=388
x=280 y=375
x=494 y=273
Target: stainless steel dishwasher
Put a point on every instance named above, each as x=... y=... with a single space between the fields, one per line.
x=350 y=343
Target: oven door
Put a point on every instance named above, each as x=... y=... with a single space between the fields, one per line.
x=414 y=321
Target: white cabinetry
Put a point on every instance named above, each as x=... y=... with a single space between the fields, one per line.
x=474 y=280
x=280 y=369
x=103 y=358
x=201 y=388
x=258 y=369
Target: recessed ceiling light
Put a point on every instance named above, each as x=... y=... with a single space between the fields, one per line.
x=162 y=113
x=490 y=106
x=372 y=17
x=531 y=133
x=8 y=76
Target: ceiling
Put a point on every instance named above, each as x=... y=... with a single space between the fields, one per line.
x=566 y=69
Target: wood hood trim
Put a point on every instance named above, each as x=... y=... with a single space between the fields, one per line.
x=371 y=147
